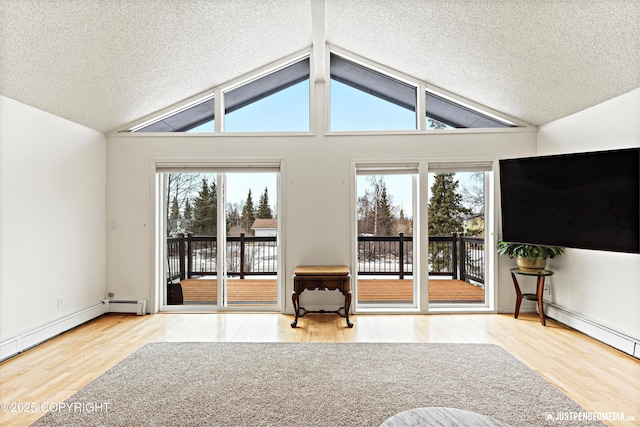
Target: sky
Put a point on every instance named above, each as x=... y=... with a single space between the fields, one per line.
x=400 y=189
x=288 y=110
x=238 y=185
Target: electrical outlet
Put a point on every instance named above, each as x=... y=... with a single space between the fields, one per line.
x=60 y=302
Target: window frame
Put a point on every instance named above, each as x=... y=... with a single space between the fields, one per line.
x=391 y=167
x=220 y=167
x=320 y=98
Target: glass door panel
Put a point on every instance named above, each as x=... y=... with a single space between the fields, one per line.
x=251 y=259
x=385 y=240
x=192 y=249
x=221 y=239
x=457 y=237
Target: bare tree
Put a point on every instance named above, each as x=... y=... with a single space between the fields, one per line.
x=376 y=213
x=180 y=187
x=473 y=194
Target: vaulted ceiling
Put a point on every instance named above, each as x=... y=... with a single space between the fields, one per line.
x=106 y=63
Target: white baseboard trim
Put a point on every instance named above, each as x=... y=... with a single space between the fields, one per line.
x=596 y=330
x=21 y=342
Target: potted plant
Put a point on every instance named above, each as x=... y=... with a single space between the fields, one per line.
x=529 y=257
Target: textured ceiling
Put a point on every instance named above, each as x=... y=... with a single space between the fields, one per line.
x=537 y=60
x=106 y=63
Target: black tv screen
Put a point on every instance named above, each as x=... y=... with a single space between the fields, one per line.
x=583 y=200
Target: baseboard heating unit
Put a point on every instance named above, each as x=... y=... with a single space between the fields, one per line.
x=138 y=306
x=596 y=330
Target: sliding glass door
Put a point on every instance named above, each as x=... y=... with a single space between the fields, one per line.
x=191 y=238
x=251 y=259
x=221 y=238
x=457 y=234
x=384 y=253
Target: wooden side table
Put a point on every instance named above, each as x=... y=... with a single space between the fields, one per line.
x=322 y=278
x=540 y=275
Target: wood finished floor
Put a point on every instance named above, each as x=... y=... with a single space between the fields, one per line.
x=596 y=376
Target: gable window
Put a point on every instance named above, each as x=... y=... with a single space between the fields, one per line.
x=445 y=114
x=196 y=118
x=362 y=97
x=365 y=99
x=278 y=101
x=275 y=102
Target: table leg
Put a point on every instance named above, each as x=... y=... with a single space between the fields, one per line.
x=347 y=307
x=539 y=291
x=296 y=308
x=518 y=295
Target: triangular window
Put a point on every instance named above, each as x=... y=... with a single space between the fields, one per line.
x=362 y=98
x=365 y=99
x=197 y=118
x=445 y=114
x=278 y=101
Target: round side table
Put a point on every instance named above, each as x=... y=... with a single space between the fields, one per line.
x=445 y=417
x=540 y=275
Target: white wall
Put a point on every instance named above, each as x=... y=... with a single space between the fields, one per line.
x=52 y=206
x=52 y=217
x=316 y=214
x=601 y=286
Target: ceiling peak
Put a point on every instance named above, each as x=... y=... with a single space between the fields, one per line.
x=319 y=34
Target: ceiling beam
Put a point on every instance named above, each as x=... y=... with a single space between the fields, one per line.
x=319 y=31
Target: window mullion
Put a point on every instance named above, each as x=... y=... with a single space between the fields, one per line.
x=421 y=107
x=218 y=111
x=221 y=241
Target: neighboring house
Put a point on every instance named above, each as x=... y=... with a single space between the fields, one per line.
x=473 y=225
x=182 y=226
x=265 y=227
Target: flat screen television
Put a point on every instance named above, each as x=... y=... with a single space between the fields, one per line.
x=583 y=200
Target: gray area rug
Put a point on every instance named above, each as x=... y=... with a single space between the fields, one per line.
x=311 y=384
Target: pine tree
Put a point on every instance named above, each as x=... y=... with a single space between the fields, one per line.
x=213 y=203
x=248 y=215
x=174 y=216
x=376 y=213
x=264 y=210
x=188 y=211
x=233 y=219
x=403 y=225
x=384 y=213
x=445 y=206
x=445 y=217
x=381 y=212
x=205 y=215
